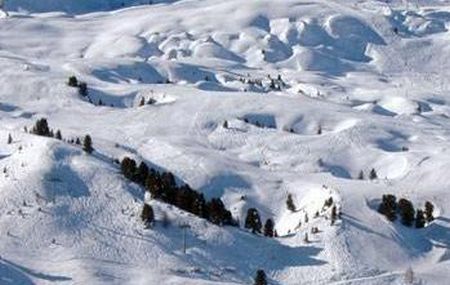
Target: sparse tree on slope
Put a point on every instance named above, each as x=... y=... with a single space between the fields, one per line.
x=268 y=228
x=260 y=278
x=253 y=221
x=87 y=144
x=407 y=212
x=429 y=208
x=147 y=215
x=290 y=203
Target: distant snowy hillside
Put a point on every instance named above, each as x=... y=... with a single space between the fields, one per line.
x=329 y=104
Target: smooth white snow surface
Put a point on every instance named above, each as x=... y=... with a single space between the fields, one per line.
x=380 y=100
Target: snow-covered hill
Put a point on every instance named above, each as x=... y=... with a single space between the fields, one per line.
x=252 y=101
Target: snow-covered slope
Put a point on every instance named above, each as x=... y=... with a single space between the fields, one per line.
x=313 y=93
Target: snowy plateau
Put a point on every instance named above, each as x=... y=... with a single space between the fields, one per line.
x=324 y=105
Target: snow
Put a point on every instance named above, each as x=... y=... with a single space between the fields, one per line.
x=355 y=96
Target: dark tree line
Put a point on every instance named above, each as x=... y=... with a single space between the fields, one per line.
x=390 y=208
x=162 y=186
x=41 y=128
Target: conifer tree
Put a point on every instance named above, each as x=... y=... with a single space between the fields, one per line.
x=407 y=212
x=58 y=135
x=429 y=208
x=334 y=215
x=10 y=139
x=83 y=89
x=373 y=174
x=128 y=167
x=41 y=128
x=73 y=81
x=268 y=228
x=290 y=203
x=420 y=219
x=147 y=215
x=252 y=221
x=260 y=278
x=388 y=207
x=87 y=144
x=361 y=175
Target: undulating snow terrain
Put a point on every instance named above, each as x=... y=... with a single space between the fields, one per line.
x=312 y=92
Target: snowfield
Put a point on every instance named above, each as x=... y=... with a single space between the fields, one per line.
x=252 y=100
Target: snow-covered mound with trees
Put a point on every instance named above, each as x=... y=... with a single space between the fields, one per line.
x=210 y=142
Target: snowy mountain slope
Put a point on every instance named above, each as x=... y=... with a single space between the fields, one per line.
x=371 y=77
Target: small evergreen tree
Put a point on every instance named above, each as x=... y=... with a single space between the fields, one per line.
x=373 y=174
x=328 y=203
x=142 y=173
x=78 y=141
x=420 y=219
x=128 y=167
x=334 y=215
x=142 y=102
x=260 y=278
x=73 y=81
x=147 y=215
x=361 y=175
x=83 y=89
x=58 y=135
x=290 y=203
x=253 y=221
x=268 y=228
x=388 y=207
x=10 y=139
x=407 y=212
x=429 y=208
x=87 y=144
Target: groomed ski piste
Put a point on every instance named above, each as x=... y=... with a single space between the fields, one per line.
x=359 y=85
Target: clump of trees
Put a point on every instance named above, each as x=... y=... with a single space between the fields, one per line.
x=41 y=128
x=162 y=186
x=82 y=86
x=390 y=208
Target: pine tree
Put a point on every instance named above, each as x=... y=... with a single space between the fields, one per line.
x=361 y=175
x=83 y=89
x=328 y=203
x=73 y=81
x=373 y=174
x=142 y=102
x=225 y=124
x=58 y=135
x=260 y=278
x=10 y=139
x=420 y=219
x=128 y=167
x=78 y=141
x=253 y=221
x=334 y=215
x=407 y=212
x=388 y=207
x=290 y=203
x=87 y=144
x=268 y=228
x=429 y=208
x=147 y=215
x=142 y=173
x=41 y=128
